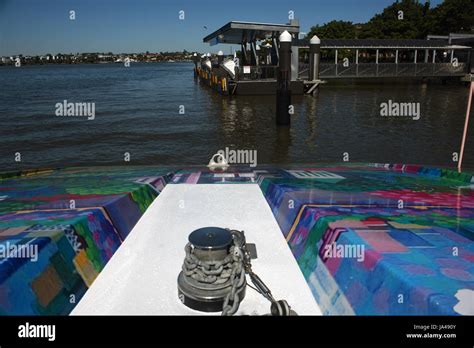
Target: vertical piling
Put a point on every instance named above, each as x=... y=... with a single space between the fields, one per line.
x=314 y=57
x=195 y=60
x=283 y=92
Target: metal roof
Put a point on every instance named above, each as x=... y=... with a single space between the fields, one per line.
x=454 y=38
x=237 y=32
x=382 y=43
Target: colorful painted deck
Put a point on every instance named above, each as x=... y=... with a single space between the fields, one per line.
x=58 y=229
x=369 y=239
x=386 y=240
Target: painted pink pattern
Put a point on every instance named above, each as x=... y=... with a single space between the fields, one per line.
x=382 y=242
x=444 y=199
x=193 y=178
x=458 y=274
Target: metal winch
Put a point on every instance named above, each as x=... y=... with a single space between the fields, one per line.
x=213 y=276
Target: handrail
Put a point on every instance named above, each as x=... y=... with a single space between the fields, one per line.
x=328 y=70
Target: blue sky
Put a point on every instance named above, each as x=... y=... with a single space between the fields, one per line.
x=42 y=26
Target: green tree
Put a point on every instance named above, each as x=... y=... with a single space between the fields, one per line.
x=334 y=30
x=405 y=19
x=402 y=20
x=452 y=16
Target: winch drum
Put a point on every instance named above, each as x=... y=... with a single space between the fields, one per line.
x=205 y=281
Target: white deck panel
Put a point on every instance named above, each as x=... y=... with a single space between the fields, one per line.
x=141 y=277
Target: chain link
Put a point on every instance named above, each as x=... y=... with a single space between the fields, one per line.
x=209 y=272
x=237 y=278
x=233 y=269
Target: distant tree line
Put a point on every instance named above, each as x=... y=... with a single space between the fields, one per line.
x=405 y=19
x=96 y=57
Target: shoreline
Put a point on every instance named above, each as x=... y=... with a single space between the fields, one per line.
x=93 y=63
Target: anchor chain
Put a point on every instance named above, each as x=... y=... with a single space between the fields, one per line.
x=209 y=272
x=232 y=269
x=218 y=272
x=277 y=308
x=237 y=278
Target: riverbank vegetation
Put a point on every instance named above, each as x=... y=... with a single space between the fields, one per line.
x=405 y=19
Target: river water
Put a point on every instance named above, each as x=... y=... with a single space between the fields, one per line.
x=137 y=111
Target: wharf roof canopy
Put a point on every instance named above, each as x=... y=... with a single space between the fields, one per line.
x=237 y=32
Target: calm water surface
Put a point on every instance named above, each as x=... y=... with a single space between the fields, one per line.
x=137 y=111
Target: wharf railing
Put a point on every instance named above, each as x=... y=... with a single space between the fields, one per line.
x=364 y=70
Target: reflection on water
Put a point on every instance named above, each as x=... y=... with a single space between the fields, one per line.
x=137 y=111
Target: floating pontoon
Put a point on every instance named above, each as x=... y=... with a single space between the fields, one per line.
x=255 y=71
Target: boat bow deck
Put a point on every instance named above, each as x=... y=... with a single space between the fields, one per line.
x=141 y=276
